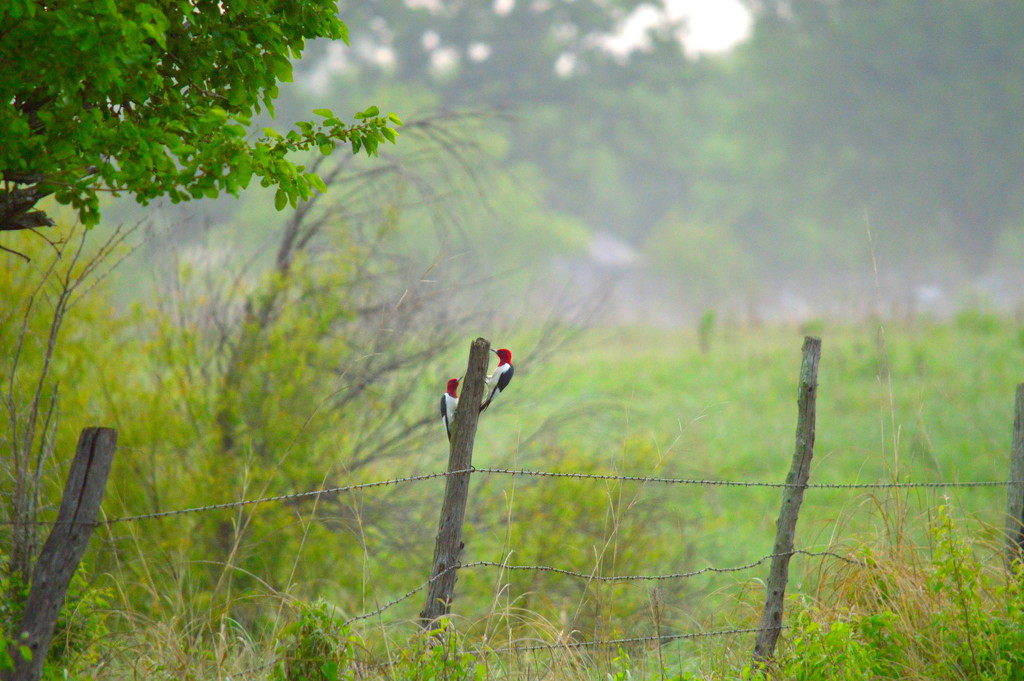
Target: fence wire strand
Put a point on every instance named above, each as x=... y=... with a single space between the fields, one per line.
x=279 y=498
x=662 y=638
x=407 y=595
x=675 y=575
x=561 y=645
x=522 y=473
x=600 y=578
x=738 y=483
x=548 y=474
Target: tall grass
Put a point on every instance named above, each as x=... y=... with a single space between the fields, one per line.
x=933 y=403
x=926 y=612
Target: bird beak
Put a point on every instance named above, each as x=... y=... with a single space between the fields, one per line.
x=494 y=351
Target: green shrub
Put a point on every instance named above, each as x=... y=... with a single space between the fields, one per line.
x=316 y=647
x=82 y=625
x=83 y=629
x=895 y=620
x=437 y=656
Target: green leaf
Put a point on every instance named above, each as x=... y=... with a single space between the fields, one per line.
x=330 y=670
x=281 y=67
x=280 y=199
x=325 y=113
x=156 y=34
x=234 y=130
x=393 y=117
x=316 y=182
x=371 y=112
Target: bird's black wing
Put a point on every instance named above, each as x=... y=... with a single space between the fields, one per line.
x=444 y=417
x=502 y=383
x=505 y=378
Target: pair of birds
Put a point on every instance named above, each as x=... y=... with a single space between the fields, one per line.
x=496 y=383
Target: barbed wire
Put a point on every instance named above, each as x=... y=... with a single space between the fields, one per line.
x=659 y=638
x=515 y=648
x=740 y=483
x=523 y=473
x=548 y=474
x=909 y=485
x=628 y=478
x=280 y=497
x=599 y=642
x=600 y=578
x=676 y=575
x=407 y=595
x=250 y=672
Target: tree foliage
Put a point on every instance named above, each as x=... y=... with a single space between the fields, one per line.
x=500 y=53
x=587 y=110
x=905 y=113
x=154 y=98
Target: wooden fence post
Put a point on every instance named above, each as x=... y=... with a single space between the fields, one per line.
x=63 y=550
x=448 y=546
x=1015 y=490
x=792 y=497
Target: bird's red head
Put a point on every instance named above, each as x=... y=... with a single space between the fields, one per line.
x=504 y=356
x=453 y=387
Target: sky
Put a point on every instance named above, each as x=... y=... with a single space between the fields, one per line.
x=705 y=27
x=716 y=25
x=710 y=25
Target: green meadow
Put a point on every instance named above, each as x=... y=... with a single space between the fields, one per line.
x=907 y=402
x=913 y=401
x=259 y=251
x=325 y=586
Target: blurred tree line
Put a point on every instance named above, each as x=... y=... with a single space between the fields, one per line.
x=831 y=119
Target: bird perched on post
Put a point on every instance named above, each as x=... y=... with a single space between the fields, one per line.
x=501 y=377
x=449 y=402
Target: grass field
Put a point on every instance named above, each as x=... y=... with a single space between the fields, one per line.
x=916 y=402
x=908 y=402
x=913 y=402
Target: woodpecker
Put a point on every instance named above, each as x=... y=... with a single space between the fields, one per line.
x=449 y=401
x=501 y=377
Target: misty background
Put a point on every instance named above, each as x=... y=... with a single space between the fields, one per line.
x=765 y=160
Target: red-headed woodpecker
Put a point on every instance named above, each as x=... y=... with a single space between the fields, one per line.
x=501 y=377
x=449 y=401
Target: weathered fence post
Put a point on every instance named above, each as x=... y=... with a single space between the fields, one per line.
x=63 y=550
x=792 y=497
x=448 y=546
x=1015 y=490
